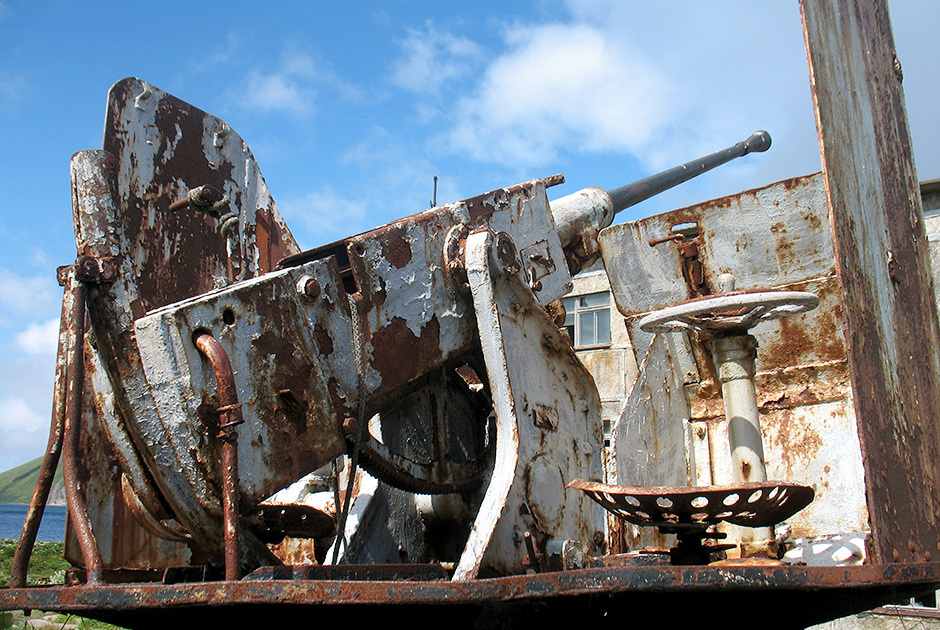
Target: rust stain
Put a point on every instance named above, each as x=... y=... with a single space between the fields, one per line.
x=323 y=340
x=395 y=247
x=815 y=223
x=396 y=343
x=794 y=439
x=339 y=401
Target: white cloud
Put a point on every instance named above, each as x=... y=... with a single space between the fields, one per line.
x=17 y=415
x=24 y=431
x=323 y=216
x=293 y=86
x=22 y=295
x=561 y=86
x=290 y=88
x=647 y=86
x=430 y=58
x=39 y=338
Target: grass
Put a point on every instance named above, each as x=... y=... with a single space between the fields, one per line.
x=47 y=566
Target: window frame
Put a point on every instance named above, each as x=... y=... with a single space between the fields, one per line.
x=574 y=316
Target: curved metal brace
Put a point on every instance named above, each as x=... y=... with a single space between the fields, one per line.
x=434 y=477
x=436 y=440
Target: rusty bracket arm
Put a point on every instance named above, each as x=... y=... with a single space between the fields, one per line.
x=692 y=270
x=50 y=460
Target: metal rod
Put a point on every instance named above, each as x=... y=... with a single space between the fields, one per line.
x=643 y=189
x=230 y=415
x=75 y=383
x=735 y=357
x=50 y=460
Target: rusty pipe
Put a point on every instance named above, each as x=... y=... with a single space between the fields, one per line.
x=75 y=383
x=230 y=415
x=50 y=460
x=201 y=198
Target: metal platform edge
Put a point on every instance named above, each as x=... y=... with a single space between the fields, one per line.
x=784 y=596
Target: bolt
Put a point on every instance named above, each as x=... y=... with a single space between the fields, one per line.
x=350 y=426
x=309 y=287
x=726 y=283
x=672 y=237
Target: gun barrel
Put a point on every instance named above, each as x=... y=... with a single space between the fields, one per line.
x=638 y=191
x=581 y=215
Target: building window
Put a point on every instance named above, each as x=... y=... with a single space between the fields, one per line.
x=587 y=319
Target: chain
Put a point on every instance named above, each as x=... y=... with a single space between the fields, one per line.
x=358 y=352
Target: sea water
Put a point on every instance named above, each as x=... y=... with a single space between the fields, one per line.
x=13 y=515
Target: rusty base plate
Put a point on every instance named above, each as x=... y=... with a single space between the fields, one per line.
x=755 y=504
x=795 y=597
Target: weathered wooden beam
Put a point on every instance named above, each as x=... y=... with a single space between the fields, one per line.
x=884 y=271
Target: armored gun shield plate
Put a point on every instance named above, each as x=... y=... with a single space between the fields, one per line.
x=157 y=149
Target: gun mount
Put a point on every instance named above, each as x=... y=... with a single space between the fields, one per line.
x=222 y=365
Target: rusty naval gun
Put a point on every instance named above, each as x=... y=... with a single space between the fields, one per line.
x=219 y=393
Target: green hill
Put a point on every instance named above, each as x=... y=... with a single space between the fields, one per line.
x=16 y=484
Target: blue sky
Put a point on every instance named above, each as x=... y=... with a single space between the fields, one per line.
x=352 y=108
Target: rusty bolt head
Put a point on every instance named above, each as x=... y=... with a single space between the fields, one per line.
x=95 y=270
x=506 y=253
x=308 y=287
x=599 y=538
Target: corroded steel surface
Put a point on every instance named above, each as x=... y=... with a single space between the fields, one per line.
x=281 y=344
x=883 y=268
x=800 y=596
x=75 y=377
x=157 y=148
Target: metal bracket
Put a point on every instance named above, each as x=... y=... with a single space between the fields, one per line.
x=548 y=423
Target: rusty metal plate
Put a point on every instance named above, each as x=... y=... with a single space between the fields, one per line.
x=164 y=148
x=776 y=237
x=157 y=149
x=280 y=338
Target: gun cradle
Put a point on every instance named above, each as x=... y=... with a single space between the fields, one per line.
x=291 y=336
